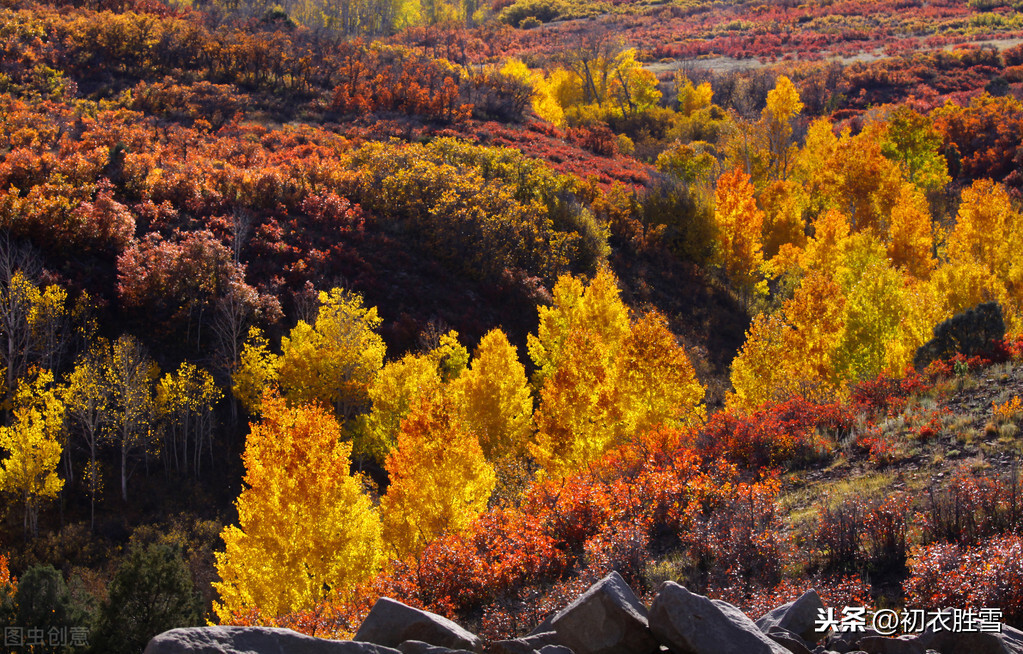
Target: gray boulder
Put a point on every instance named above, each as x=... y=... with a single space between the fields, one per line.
x=391 y=623
x=253 y=640
x=951 y=642
x=788 y=640
x=798 y=616
x=607 y=619
x=526 y=645
x=847 y=642
x=419 y=647
x=885 y=645
x=1013 y=639
x=693 y=624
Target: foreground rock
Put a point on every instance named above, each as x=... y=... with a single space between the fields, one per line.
x=798 y=616
x=948 y=642
x=692 y=624
x=390 y=623
x=253 y=640
x=607 y=619
x=527 y=645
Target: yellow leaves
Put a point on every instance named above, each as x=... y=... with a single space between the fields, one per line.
x=334 y=360
x=440 y=480
x=740 y=223
x=692 y=163
x=783 y=104
x=554 y=92
x=189 y=390
x=656 y=383
x=32 y=443
x=398 y=387
x=572 y=419
x=987 y=231
x=759 y=373
x=602 y=377
x=988 y=236
x=305 y=529
x=257 y=371
x=794 y=351
x=596 y=307
x=492 y=397
x=692 y=99
x=910 y=236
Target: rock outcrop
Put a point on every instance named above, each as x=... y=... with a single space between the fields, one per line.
x=607 y=619
x=253 y=640
x=798 y=617
x=390 y=623
x=693 y=624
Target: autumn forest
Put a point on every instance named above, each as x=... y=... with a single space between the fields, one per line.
x=471 y=303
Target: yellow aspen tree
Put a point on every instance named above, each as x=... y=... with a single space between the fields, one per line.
x=740 y=224
x=922 y=309
x=185 y=400
x=794 y=350
x=492 y=397
x=449 y=356
x=573 y=422
x=17 y=297
x=989 y=233
x=825 y=252
x=783 y=217
x=783 y=105
x=440 y=481
x=816 y=314
x=692 y=98
x=603 y=377
x=987 y=229
x=87 y=403
x=910 y=234
x=875 y=305
x=50 y=324
x=130 y=375
x=912 y=140
x=760 y=372
x=597 y=307
x=33 y=445
x=305 y=528
x=257 y=371
x=815 y=167
x=335 y=359
x=962 y=285
x=655 y=380
x=633 y=89
x=398 y=387
x=693 y=162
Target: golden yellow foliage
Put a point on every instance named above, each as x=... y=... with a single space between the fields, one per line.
x=910 y=235
x=439 y=479
x=783 y=104
x=334 y=360
x=740 y=224
x=797 y=351
x=305 y=528
x=492 y=398
x=33 y=445
x=602 y=377
x=596 y=307
x=398 y=387
x=692 y=98
x=257 y=370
